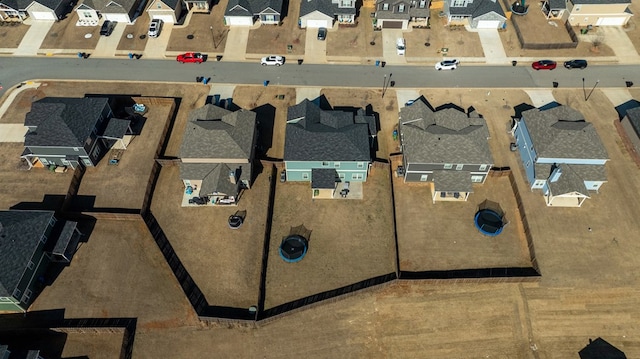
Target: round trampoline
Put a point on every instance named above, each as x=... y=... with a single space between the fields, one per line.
x=489 y=222
x=293 y=248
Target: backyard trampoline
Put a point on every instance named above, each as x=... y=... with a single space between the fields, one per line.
x=293 y=248
x=490 y=218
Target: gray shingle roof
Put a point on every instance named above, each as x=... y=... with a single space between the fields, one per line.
x=568 y=182
x=20 y=233
x=452 y=181
x=557 y=4
x=23 y=4
x=116 y=128
x=324 y=135
x=445 y=136
x=586 y=172
x=252 y=7
x=213 y=132
x=323 y=178
x=326 y=7
x=602 y=2
x=634 y=119
x=215 y=176
x=561 y=132
x=113 y=6
x=476 y=8
x=62 y=121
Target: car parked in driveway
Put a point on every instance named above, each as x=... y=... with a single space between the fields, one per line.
x=544 y=65
x=322 y=33
x=154 y=28
x=107 y=27
x=272 y=60
x=447 y=65
x=575 y=64
x=194 y=57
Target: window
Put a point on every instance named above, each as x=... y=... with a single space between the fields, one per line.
x=577 y=8
x=385 y=6
x=423 y=178
x=528 y=164
x=459 y=167
x=159 y=6
x=401 y=8
x=459 y=3
x=16 y=293
x=52 y=221
x=422 y=4
x=341 y=175
x=448 y=166
x=595 y=185
x=43 y=240
x=476 y=179
x=336 y=164
x=357 y=176
x=27 y=296
x=270 y=18
x=360 y=164
x=325 y=164
x=31 y=265
x=483 y=167
x=305 y=176
x=76 y=149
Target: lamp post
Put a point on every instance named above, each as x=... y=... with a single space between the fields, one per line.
x=385 y=84
x=584 y=91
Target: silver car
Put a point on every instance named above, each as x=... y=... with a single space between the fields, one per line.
x=272 y=60
x=447 y=65
x=154 y=28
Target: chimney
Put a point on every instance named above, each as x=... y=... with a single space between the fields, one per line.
x=232 y=177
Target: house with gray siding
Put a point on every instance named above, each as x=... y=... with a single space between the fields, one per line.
x=324 y=13
x=338 y=143
x=397 y=14
x=561 y=153
x=68 y=132
x=447 y=147
x=28 y=240
x=216 y=154
x=477 y=14
x=45 y=10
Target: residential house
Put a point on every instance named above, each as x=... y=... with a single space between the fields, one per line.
x=631 y=125
x=396 y=14
x=447 y=147
x=477 y=14
x=29 y=242
x=561 y=153
x=19 y=10
x=323 y=13
x=246 y=12
x=91 y=11
x=68 y=131
x=169 y=11
x=198 y=6
x=217 y=153
x=589 y=12
x=601 y=349
x=327 y=147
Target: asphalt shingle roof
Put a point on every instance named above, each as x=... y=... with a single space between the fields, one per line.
x=452 y=181
x=562 y=132
x=324 y=135
x=477 y=8
x=445 y=136
x=113 y=7
x=326 y=7
x=214 y=132
x=23 y=4
x=116 y=128
x=62 y=121
x=634 y=119
x=215 y=176
x=586 y=172
x=568 y=182
x=252 y=7
x=20 y=233
x=323 y=178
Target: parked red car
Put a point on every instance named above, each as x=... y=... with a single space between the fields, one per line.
x=191 y=57
x=544 y=65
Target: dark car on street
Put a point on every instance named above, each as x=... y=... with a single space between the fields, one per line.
x=575 y=64
x=544 y=65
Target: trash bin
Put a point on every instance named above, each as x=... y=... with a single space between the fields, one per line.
x=198 y=78
x=377 y=63
x=383 y=63
x=265 y=83
x=555 y=84
x=514 y=63
x=80 y=55
x=628 y=83
x=392 y=83
x=300 y=61
x=130 y=55
x=205 y=80
x=218 y=57
x=216 y=98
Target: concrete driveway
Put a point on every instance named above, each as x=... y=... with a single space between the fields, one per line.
x=107 y=45
x=492 y=46
x=315 y=51
x=235 y=48
x=617 y=39
x=157 y=46
x=389 y=53
x=32 y=40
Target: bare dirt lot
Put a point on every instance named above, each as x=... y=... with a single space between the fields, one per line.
x=455 y=38
x=355 y=40
x=209 y=33
x=64 y=34
x=224 y=263
x=12 y=33
x=633 y=26
x=351 y=240
x=93 y=345
x=119 y=272
x=139 y=31
x=443 y=236
x=273 y=39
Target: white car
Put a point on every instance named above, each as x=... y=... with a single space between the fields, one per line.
x=272 y=60
x=447 y=65
x=154 y=28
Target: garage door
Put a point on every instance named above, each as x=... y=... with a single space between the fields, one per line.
x=392 y=25
x=317 y=23
x=238 y=20
x=42 y=15
x=488 y=24
x=124 y=18
x=611 y=21
x=164 y=18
